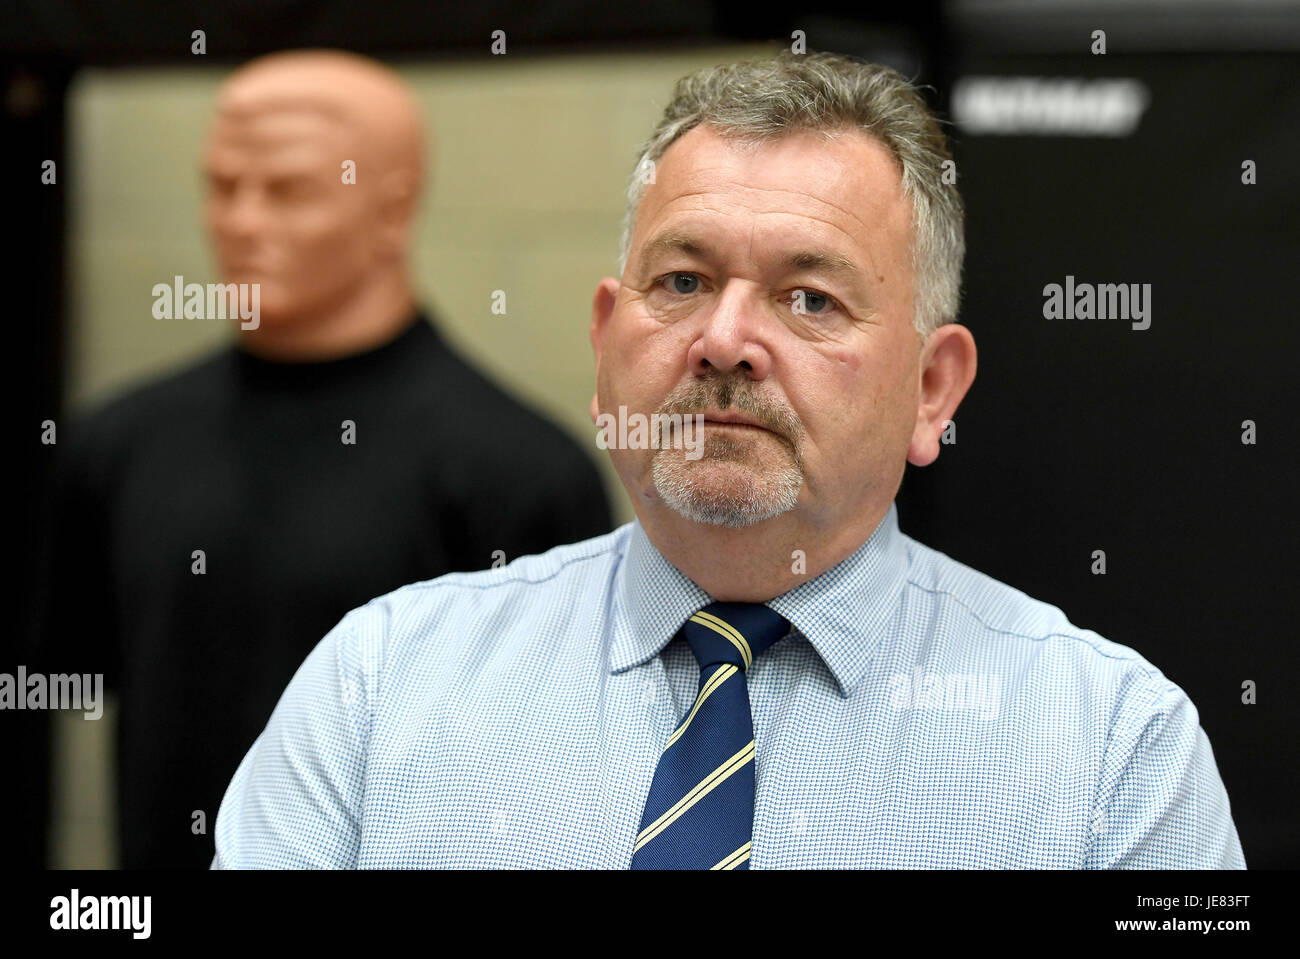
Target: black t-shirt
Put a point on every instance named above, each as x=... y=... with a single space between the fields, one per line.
x=246 y=460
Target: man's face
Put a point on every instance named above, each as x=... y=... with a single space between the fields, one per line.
x=772 y=281
x=280 y=215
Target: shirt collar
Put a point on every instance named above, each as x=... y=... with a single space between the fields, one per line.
x=843 y=612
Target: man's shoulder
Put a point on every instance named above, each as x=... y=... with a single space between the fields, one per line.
x=1036 y=649
x=106 y=428
x=987 y=610
x=536 y=577
x=573 y=579
x=455 y=379
x=495 y=427
x=159 y=394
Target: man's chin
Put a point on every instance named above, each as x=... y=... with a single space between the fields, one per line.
x=726 y=512
x=722 y=475
x=724 y=492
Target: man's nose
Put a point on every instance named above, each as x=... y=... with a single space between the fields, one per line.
x=733 y=334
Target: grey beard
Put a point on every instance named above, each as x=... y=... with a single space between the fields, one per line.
x=745 y=505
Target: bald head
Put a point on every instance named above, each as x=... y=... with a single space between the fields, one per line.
x=370 y=104
x=314 y=164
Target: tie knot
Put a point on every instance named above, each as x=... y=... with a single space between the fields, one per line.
x=733 y=632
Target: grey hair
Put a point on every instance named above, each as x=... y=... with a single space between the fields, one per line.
x=761 y=100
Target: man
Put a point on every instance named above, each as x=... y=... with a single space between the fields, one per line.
x=761 y=670
x=215 y=523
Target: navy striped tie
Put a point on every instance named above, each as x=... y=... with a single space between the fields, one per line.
x=700 y=812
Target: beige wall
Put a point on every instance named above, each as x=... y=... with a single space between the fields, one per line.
x=530 y=162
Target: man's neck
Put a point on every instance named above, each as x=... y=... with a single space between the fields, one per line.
x=366 y=321
x=754 y=563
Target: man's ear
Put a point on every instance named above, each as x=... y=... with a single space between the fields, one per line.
x=398 y=194
x=947 y=369
x=602 y=308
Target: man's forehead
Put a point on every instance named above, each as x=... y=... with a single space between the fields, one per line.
x=847 y=180
x=831 y=195
x=803 y=161
x=274 y=121
x=294 y=134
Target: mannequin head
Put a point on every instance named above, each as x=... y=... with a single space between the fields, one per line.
x=314 y=164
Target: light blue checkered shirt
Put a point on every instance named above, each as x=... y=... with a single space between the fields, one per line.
x=919 y=714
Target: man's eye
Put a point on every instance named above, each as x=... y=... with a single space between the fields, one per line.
x=810 y=301
x=290 y=189
x=683 y=282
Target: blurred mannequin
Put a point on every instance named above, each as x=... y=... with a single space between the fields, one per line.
x=331 y=256
x=211 y=526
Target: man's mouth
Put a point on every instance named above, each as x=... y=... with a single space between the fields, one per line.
x=732 y=419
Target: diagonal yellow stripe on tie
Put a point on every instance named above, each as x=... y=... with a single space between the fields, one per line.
x=711 y=782
x=738 y=861
x=730 y=632
x=720 y=625
x=736 y=858
x=716 y=680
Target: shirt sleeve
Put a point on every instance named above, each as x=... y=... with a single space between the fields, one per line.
x=295 y=800
x=1162 y=803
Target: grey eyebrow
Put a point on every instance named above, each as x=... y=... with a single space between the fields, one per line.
x=832 y=263
x=671 y=243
